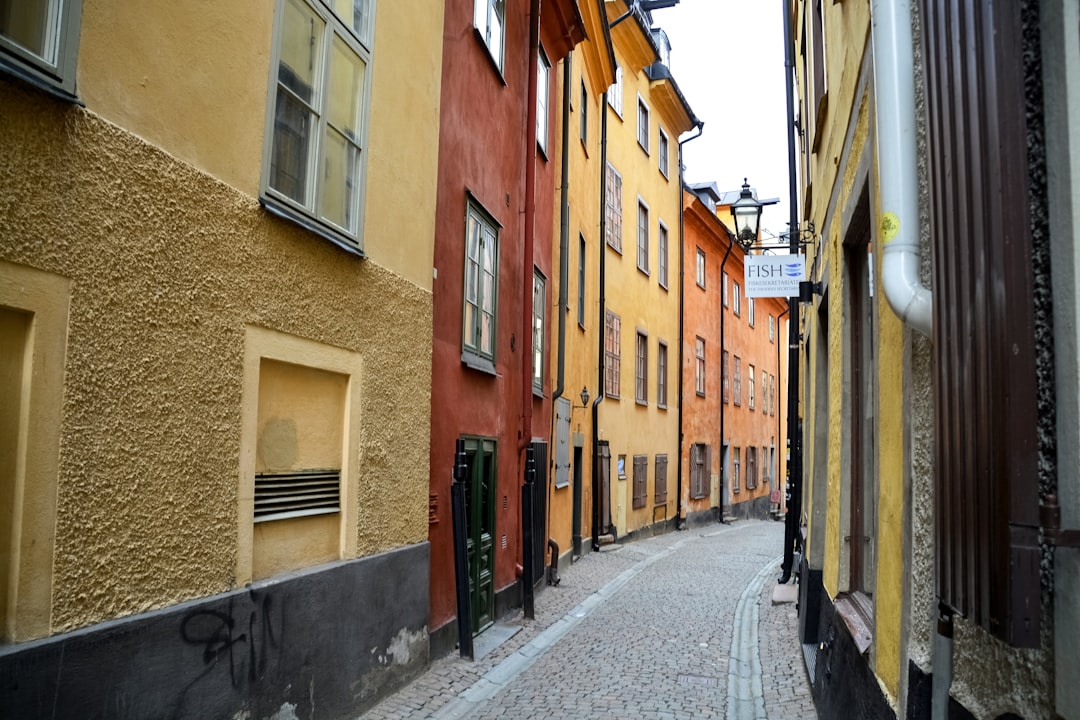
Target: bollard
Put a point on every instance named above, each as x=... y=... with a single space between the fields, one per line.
x=461 y=553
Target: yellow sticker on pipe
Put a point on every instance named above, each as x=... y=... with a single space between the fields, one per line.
x=890 y=226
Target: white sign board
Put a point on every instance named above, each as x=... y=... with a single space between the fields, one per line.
x=773 y=275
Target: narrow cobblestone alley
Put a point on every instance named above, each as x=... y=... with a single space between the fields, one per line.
x=676 y=626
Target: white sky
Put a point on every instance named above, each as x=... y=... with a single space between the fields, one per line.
x=718 y=48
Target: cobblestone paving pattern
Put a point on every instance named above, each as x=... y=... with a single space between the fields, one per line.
x=655 y=648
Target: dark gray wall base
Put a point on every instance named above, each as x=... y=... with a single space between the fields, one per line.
x=444 y=639
x=920 y=693
x=811 y=590
x=703 y=517
x=327 y=642
x=844 y=687
x=756 y=509
x=659 y=528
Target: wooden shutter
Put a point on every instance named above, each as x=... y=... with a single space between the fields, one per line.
x=661 y=480
x=640 y=480
x=986 y=479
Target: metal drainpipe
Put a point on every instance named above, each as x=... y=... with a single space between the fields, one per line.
x=600 y=375
x=530 y=231
x=564 y=271
x=779 y=422
x=682 y=322
x=791 y=519
x=942 y=658
x=731 y=244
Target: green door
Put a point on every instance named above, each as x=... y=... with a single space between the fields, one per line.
x=480 y=529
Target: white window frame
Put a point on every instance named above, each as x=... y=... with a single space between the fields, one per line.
x=699 y=375
x=643 y=124
x=724 y=291
x=642 y=236
x=736 y=298
x=750 y=311
x=615 y=92
x=613 y=209
x=584 y=110
x=539 y=321
x=641 y=368
x=699 y=268
x=53 y=69
x=489 y=19
x=661 y=373
x=662 y=253
x=487 y=285
x=772 y=328
x=306 y=212
x=750 y=396
x=662 y=143
x=543 y=94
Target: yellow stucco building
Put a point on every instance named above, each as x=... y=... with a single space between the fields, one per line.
x=215 y=329
x=637 y=430
x=930 y=473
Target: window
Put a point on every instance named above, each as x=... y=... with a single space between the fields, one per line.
x=736 y=469
x=539 y=303
x=699 y=462
x=613 y=209
x=772 y=395
x=699 y=377
x=481 y=264
x=584 y=114
x=581 y=282
x=621 y=467
x=615 y=92
x=660 y=481
x=662 y=254
x=643 y=124
x=661 y=374
x=750 y=387
x=612 y=328
x=772 y=329
x=543 y=93
x=643 y=237
x=662 y=150
x=723 y=290
x=39 y=42
x=736 y=303
x=750 y=311
x=724 y=372
x=314 y=168
x=751 y=468
x=700 y=268
x=737 y=381
x=641 y=369
x=489 y=19
x=641 y=481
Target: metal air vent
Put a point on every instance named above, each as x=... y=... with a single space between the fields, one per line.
x=296 y=494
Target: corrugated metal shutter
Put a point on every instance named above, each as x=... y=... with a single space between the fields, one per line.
x=986 y=483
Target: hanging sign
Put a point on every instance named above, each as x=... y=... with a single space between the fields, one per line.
x=773 y=275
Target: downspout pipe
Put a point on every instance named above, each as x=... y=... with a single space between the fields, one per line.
x=894 y=88
x=601 y=327
x=723 y=347
x=530 y=230
x=679 y=520
x=564 y=233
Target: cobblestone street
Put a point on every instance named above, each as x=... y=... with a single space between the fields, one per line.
x=681 y=625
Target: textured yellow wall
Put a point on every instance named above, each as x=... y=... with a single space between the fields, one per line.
x=168 y=267
x=192 y=78
x=845 y=142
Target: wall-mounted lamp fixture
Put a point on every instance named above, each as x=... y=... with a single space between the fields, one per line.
x=808 y=289
x=584 y=397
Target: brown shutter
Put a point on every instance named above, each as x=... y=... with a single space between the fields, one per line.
x=986 y=481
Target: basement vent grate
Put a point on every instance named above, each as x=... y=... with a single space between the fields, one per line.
x=296 y=494
x=810 y=656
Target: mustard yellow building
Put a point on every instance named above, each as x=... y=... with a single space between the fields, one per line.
x=577 y=333
x=215 y=333
x=637 y=421
x=932 y=472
